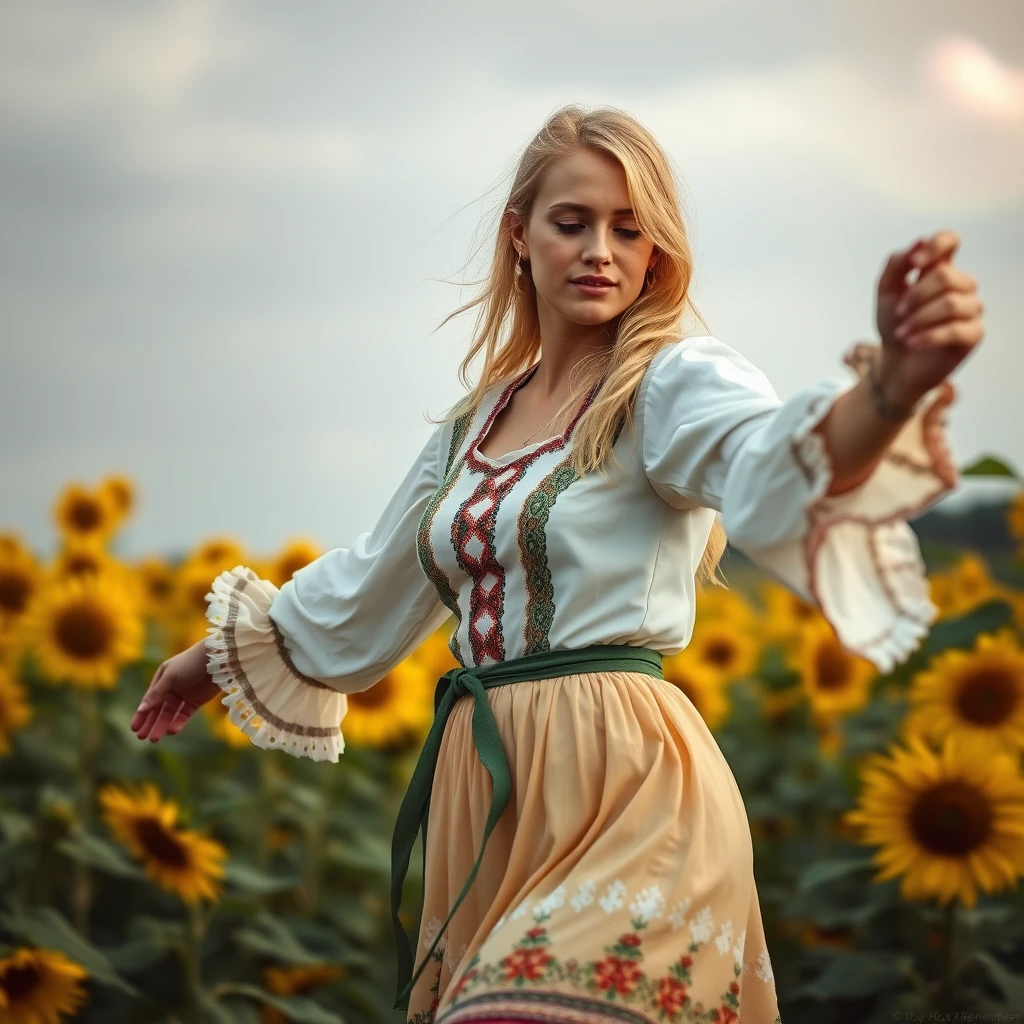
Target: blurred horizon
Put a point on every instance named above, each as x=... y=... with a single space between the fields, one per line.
x=225 y=225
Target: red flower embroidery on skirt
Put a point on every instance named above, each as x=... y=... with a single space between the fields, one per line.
x=671 y=995
x=621 y=975
x=726 y=1015
x=734 y=988
x=536 y=933
x=630 y=939
x=464 y=982
x=528 y=964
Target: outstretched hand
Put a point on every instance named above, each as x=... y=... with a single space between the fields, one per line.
x=178 y=689
x=930 y=326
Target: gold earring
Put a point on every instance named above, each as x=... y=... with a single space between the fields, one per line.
x=519 y=270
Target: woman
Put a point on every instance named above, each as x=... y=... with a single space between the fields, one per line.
x=588 y=856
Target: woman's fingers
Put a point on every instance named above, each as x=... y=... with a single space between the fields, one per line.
x=944 y=279
x=949 y=306
x=165 y=715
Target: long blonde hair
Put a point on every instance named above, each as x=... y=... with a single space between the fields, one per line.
x=508 y=328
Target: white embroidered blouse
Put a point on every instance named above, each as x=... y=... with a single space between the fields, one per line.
x=529 y=557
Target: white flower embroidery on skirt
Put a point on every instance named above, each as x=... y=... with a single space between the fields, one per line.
x=648 y=904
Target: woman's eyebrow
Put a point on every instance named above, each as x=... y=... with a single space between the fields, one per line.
x=582 y=208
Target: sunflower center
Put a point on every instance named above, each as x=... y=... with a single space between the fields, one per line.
x=951 y=818
x=159 y=588
x=198 y=597
x=987 y=697
x=85 y=514
x=376 y=696
x=832 y=668
x=690 y=691
x=78 y=564
x=15 y=588
x=290 y=566
x=18 y=982
x=84 y=631
x=720 y=653
x=161 y=844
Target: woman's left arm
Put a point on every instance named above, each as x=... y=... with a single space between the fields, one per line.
x=927 y=329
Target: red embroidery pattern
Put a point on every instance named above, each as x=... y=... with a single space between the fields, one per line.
x=618 y=978
x=473 y=528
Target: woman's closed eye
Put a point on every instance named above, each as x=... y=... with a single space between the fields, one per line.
x=569 y=229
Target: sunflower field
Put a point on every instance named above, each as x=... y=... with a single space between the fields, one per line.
x=201 y=879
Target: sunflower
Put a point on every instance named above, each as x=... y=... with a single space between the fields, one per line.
x=87 y=557
x=121 y=491
x=399 y=704
x=977 y=694
x=176 y=859
x=11 y=544
x=813 y=936
x=966 y=584
x=156 y=585
x=39 y=986
x=221 y=725
x=19 y=578
x=217 y=554
x=785 y=615
x=834 y=680
x=729 y=652
x=14 y=708
x=702 y=685
x=720 y=603
x=85 y=514
x=435 y=655
x=294 y=981
x=192 y=582
x=950 y=823
x=82 y=630
x=292 y=557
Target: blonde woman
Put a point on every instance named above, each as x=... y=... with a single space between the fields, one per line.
x=588 y=855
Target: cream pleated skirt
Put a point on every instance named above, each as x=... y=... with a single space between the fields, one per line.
x=618 y=885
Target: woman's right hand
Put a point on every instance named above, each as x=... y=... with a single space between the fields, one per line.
x=178 y=689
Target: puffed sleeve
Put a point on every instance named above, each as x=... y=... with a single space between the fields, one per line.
x=716 y=435
x=287 y=657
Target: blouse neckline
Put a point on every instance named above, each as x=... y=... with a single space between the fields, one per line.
x=482 y=463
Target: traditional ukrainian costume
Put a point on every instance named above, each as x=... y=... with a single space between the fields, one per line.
x=588 y=857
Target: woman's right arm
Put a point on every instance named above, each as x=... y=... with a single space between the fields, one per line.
x=285 y=659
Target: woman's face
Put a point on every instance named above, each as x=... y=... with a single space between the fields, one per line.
x=580 y=225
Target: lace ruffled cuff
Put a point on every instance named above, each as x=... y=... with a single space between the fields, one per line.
x=859 y=560
x=273 y=703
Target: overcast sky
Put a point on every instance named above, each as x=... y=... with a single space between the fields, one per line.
x=221 y=223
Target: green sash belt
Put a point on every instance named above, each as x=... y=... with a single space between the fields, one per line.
x=473 y=681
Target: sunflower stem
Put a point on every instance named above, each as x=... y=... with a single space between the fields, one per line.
x=948 y=957
x=192 y=959
x=88 y=749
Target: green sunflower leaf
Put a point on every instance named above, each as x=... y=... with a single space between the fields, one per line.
x=99 y=854
x=827 y=870
x=47 y=929
x=253 y=879
x=300 y=1009
x=855 y=975
x=989 y=465
x=963 y=631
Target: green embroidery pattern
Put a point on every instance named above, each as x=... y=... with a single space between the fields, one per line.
x=427 y=1016
x=540 y=594
x=424 y=549
x=617 y=980
x=532 y=531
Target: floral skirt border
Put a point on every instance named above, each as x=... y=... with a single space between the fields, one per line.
x=549 y=1008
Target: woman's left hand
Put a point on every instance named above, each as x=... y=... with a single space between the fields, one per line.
x=929 y=327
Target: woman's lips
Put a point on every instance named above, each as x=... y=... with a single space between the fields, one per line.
x=593 y=289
